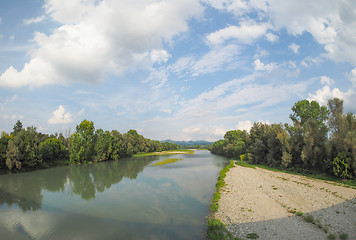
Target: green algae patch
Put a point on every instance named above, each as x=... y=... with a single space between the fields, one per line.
x=167 y=161
x=171 y=152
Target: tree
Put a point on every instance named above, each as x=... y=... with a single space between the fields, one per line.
x=81 y=147
x=5 y=138
x=17 y=127
x=103 y=145
x=13 y=156
x=310 y=118
x=52 y=149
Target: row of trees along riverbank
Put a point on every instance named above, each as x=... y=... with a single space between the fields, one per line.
x=322 y=138
x=29 y=149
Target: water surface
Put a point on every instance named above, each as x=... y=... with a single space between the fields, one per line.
x=125 y=199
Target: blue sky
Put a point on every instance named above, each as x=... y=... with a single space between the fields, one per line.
x=172 y=69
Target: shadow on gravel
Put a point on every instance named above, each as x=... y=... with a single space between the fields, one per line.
x=338 y=219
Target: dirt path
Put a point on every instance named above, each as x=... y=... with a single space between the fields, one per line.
x=262 y=201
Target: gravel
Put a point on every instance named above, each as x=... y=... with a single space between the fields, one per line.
x=265 y=202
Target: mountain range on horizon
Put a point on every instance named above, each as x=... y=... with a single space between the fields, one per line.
x=189 y=143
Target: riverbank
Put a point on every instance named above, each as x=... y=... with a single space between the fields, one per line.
x=276 y=205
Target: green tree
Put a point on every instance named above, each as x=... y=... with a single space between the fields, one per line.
x=52 y=149
x=103 y=145
x=4 y=140
x=13 y=156
x=310 y=118
x=81 y=147
x=17 y=127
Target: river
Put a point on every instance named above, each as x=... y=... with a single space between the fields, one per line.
x=126 y=199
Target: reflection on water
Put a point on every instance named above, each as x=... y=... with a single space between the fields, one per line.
x=126 y=199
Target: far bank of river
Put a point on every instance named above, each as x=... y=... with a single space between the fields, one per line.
x=127 y=199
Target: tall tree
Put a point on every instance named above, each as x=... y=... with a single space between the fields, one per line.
x=82 y=142
x=310 y=117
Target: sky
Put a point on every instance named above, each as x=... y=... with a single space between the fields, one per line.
x=172 y=69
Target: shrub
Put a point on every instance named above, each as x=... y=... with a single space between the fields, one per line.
x=309 y=218
x=342 y=165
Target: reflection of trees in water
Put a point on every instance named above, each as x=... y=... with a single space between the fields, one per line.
x=24 y=189
x=89 y=179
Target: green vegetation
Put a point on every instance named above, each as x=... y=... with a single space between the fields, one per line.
x=299 y=213
x=170 y=152
x=332 y=236
x=26 y=149
x=344 y=236
x=216 y=229
x=220 y=184
x=321 y=142
x=167 y=161
x=252 y=236
x=309 y=218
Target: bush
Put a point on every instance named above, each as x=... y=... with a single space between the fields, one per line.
x=342 y=165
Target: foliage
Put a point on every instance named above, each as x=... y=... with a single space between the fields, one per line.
x=218 y=231
x=309 y=218
x=167 y=161
x=252 y=236
x=27 y=149
x=321 y=138
x=52 y=149
x=342 y=165
x=4 y=140
x=219 y=185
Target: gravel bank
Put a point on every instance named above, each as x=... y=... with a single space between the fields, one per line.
x=262 y=201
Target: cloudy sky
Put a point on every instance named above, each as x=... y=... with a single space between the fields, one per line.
x=172 y=69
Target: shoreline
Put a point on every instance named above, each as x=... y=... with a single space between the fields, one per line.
x=266 y=203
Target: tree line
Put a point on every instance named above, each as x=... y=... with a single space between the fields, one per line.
x=25 y=148
x=321 y=137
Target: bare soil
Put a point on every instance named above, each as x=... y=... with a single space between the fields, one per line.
x=265 y=202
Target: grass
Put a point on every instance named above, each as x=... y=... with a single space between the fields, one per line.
x=167 y=161
x=344 y=236
x=252 y=236
x=332 y=237
x=299 y=213
x=218 y=231
x=216 y=228
x=309 y=218
x=220 y=184
x=170 y=152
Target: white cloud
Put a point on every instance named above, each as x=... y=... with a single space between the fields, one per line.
x=260 y=66
x=238 y=7
x=11 y=117
x=34 y=20
x=0 y=20
x=60 y=116
x=294 y=47
x=309 y=61
x=326 y=80
x=246 y=33
x=215 y=59
x=324 y=94
x=244 y=125
x=331 y=23
x=353 y=77
x=272 y=37
x=87 y=47
x=159 y=56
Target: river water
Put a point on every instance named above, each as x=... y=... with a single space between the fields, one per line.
x=125 y=199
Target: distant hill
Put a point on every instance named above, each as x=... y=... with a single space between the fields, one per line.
x=189 y=143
